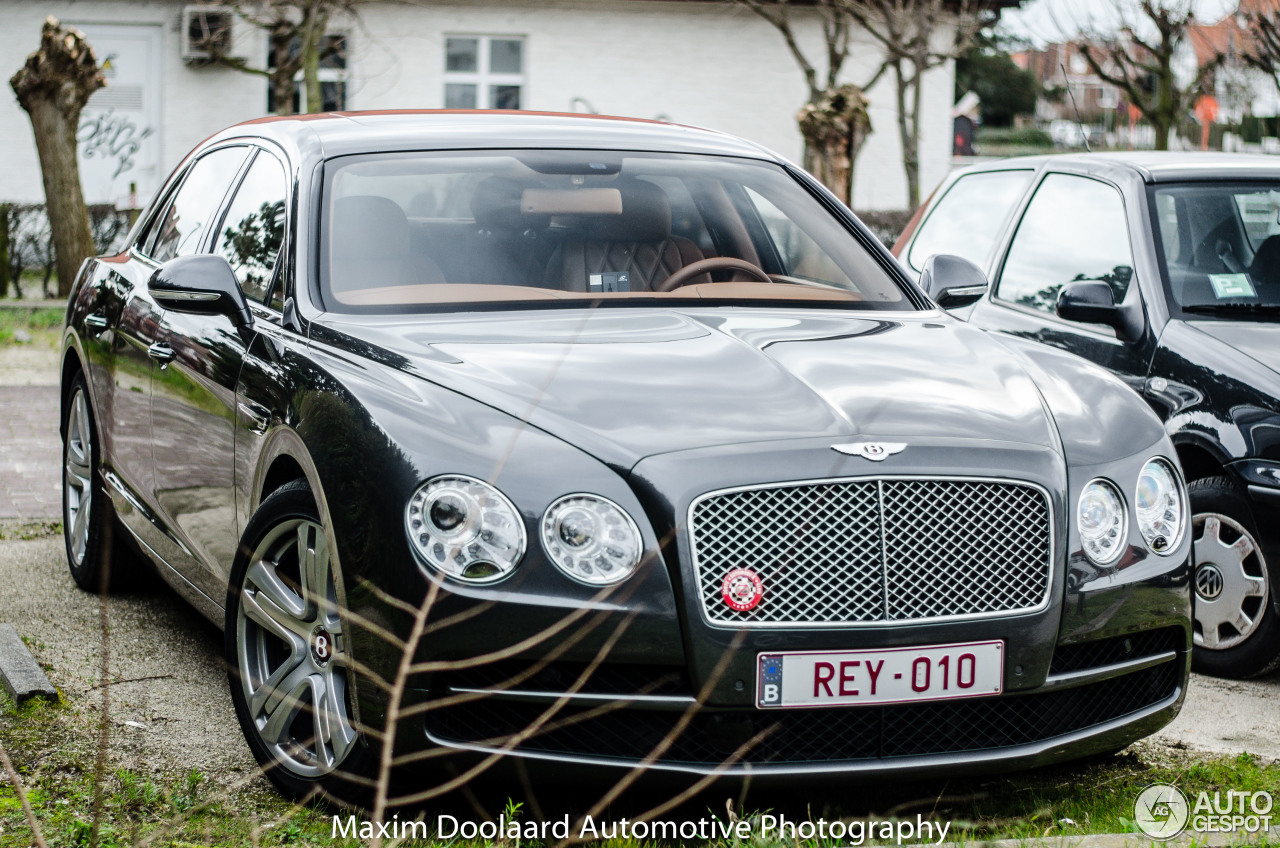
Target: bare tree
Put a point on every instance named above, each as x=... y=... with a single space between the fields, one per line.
x=296 y=32
x=53 y=87
x=1261 y=49
x=916 y=37
x=834 y=120
x=1138 y=58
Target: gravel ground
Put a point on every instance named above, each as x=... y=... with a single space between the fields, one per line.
x=171 y=709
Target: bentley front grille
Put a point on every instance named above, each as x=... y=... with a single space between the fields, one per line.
x=868 y=551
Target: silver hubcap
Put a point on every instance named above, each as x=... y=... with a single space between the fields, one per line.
x=1231 y=582
x=291 y=653
x=77 y=488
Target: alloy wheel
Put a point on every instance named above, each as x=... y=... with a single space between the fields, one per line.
x=291 y=651
x=78 y=470
x=1230 y=582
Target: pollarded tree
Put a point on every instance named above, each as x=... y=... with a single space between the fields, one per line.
x=1139 y=58
x=53 y=87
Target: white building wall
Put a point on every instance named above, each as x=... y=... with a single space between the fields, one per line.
x=710 y=64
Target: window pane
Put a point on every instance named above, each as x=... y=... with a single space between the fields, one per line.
x=459 y=96
x=184 y=224
x=335 y=53
x=800 y=255
x=461 y=54
x=967 y=219
x=504 y=97
x=504 y=55
x=254 y=226
x=334 y=95
x=1074 y=229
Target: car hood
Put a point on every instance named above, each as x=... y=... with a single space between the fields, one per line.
x=1258 y=341
x=628 y=383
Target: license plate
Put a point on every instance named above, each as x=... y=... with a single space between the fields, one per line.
x=882 y=676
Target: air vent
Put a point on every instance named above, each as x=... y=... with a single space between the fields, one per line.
x=206 y=33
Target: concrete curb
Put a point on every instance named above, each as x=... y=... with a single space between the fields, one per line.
x=22 y=678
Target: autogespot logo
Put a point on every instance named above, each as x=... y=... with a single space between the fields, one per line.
x=1161 y=811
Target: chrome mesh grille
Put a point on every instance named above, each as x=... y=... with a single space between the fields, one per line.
x=865 y=551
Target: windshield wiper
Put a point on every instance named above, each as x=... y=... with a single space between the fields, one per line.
x=1238 y=307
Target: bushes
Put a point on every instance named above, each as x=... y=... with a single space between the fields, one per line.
x=26 y=242
x=886 y=224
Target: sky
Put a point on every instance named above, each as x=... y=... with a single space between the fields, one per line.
x=1045 y=21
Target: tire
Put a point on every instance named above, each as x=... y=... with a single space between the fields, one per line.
x=97 y=562
x=1237 y=630
x=286 y=654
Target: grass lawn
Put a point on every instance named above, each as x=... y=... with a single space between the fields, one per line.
x=40 y=326
x=53 y=747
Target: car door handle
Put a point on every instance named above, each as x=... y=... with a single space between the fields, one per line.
x=95 y=322
x=161 y=353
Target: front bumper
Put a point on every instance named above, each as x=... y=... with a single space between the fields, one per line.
x=1098 y=696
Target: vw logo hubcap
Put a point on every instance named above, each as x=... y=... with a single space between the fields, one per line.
x=1208 y=581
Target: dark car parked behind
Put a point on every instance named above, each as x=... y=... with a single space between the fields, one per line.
x=1164 y=268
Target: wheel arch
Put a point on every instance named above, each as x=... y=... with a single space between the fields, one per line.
x=71 y=366
x=1198 y=460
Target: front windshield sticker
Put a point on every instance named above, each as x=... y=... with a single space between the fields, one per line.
x=1231 y=285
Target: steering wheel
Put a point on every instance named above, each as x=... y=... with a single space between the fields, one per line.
x=686 y=274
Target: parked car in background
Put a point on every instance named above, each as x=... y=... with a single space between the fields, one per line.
x=1165 y=269
x=638 y=443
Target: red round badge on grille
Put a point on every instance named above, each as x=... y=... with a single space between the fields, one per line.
x=742 y=589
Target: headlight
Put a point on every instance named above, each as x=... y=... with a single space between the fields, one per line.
x=465 y=528
x=1160 y=506
x=1101 y=519
x=591 y=539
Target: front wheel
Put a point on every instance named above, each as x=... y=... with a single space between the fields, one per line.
x=288 y=654
x=1236 y=630
x=97 y=564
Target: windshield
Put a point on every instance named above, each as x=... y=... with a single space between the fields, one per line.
x=1220 y=247
x=443 y=230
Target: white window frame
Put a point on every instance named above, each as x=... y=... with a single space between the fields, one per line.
x=482 y=78
x=342 y=75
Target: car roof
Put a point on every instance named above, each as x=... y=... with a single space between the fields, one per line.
x=345 y=133
x=1154 y=166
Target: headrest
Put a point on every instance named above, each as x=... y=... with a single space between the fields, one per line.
x=369 y=227
x=1265 y=268
x=496 y=206
x=646 y=215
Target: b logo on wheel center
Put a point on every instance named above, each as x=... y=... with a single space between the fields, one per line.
x=321 y=646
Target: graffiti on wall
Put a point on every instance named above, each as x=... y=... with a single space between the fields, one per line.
x=111 y=136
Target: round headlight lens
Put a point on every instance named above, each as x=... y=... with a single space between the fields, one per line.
x=591 y=539
x=1101 y=519
x=1160 y=506
x=465 y=528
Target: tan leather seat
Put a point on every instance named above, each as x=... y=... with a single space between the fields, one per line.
x=638 y=243
x=370 y=247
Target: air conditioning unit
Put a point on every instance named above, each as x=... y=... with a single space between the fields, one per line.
x=206 y=33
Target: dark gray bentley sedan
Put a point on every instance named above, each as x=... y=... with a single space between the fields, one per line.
x=607 y=442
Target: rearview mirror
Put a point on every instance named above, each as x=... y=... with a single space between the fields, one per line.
x=203 y=284
x=1092 y=302
x=952 y=281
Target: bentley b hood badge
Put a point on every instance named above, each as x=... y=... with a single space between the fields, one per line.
x=875 y=451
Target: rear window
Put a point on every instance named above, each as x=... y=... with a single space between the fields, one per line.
x=966 y=221
x=444 y=230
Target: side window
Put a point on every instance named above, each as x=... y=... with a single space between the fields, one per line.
x=254 y=226
x=967 y=219
x=181 y=227
x=1074 y=229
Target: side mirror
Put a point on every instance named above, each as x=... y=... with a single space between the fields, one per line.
x=202 y=284
x=953 y=282
x=1092 y=302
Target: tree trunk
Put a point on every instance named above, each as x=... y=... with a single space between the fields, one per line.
x=53 y=87
x=4 y=249
x=283 y=68
x=312 y=43
x=64 y=200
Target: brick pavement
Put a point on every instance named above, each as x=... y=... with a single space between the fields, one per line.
x=30 y=453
